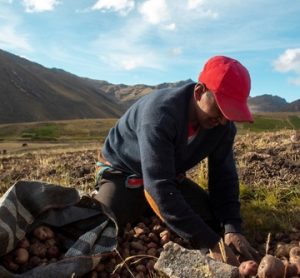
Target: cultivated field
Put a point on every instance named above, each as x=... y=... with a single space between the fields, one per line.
x=268 y=162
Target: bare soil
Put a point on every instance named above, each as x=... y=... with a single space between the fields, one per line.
x=263 y=160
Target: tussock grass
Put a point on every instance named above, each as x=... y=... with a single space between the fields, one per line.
x=270 y=209
x=268 y=204
x=265 y=209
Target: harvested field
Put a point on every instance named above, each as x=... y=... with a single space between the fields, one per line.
x=269 y=169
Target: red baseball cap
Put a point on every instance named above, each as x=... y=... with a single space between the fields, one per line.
x=230 y=83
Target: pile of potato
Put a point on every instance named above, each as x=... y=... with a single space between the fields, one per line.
x=138 y=249
x=39 y=248
x=141 y=243
x=273 y=267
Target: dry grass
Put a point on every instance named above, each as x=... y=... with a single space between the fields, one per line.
x=267 y=164
x=269 y=169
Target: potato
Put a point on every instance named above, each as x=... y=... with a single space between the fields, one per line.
x=152 y=252
x=282 y=250
x=100 y=267
x=140 y=275
x=144 y=238
x=53 y=252
x=115 y=275
x=125 y=252
x=141 y=268
x=153 y=237
x=137 y=246
x=295 y=255
x=23 y=243
x=150 y=265
x=12 y=266
x=38 y=249
x=43 y=233
x=164 y=237
x=139 y=230
x=21 y=256
x=34 y=261
x=9 y=263
x=51 y=242
x=248 y=268
x=151 y=245
x=291 y=270
x=157 y=228
x=271 y=267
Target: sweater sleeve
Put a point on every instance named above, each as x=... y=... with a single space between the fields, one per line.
x=158 y=168
x=224 y=184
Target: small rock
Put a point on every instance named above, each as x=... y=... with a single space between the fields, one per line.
x=178 y=262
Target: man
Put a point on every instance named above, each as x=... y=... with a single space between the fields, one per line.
x=167 y=132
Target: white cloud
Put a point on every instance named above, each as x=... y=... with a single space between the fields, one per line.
x=209 y=14
x=158 y=12
x=201 y=8
x=10 y=39
x=155 y=11
x=131 y=62
x=127 y=60
x=176 y=51
x=171 y=26
x=126 y=48
x=202 y=11
x=121 y=6
x=289 y=61
x=38 y=6
x=193 y=4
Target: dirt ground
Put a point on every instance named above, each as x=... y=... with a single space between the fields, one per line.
x=269 y=159
x=263 y=159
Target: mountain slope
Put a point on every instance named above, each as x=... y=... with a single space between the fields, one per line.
x=267 y=103
x=31 y=92
x=293 y=106
x=129 y=94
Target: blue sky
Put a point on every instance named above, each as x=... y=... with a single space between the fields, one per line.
x=156 y=41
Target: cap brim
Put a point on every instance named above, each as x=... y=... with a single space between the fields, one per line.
x=233 y=109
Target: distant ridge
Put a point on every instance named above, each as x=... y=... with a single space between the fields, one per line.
x=30 y=92
x=127 y=94
x=271 y=103
x=267 y=103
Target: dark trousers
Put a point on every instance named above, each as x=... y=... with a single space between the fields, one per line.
x=129 y=204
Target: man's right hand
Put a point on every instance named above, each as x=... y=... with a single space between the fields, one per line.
x=221 y=247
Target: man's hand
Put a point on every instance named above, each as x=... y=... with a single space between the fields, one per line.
x=239 y=243
x=221 y=252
